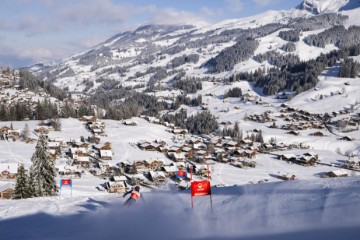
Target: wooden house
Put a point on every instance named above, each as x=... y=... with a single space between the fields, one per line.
x=69 y=171
x=105 y=154
x=155 y=164
x=6 y=191
x=337 y=173
x=42 y=130
x=177 y=157
x=141 y=166
x=87 y=119
x=8 y=170
x=287 y=157
x=75 y=152
x=306 y=160
x=158 y=177
x=170 y=170
x=116 y=187
x=94 y=140
x=83 y=161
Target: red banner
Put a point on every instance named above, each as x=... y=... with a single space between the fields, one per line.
x=200 y=188
x=181 y=174
x=65 y=182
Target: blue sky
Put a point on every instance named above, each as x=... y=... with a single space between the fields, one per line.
x=38 y=30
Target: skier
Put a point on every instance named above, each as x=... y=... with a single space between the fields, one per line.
x=134 y=196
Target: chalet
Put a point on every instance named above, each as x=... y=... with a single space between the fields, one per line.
x=4 y=130
x=94 y=140
x=106 y=154
x=177 y=157
x=149 y=146
x=83 y=161
x=163 y=149
x=8 y=170
x=287 y=157
x=141 y=166
x=6 y=191
x=87 y=119
x=338 y=173
x=81 y=145
x=306 y=160
x=170 y=170
x=104 y=166
x=155 y=164
x=69 y=171
x=95 y=131
x=76 y=152
x=201 y=170
x=42 y=129
x=317 y=134
x=95 y=171
x=157 y=177
x=116 y=187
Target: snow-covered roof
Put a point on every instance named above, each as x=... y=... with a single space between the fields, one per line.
x=170 y=169
x=119 y=178
x=157 y=174
x=10 y=167
x=106 y=153
x=340 y=172
x=74 y=150
x=83 y=159
x=7 y=186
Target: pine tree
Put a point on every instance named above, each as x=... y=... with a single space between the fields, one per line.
x=43 y=170
x=22 y=184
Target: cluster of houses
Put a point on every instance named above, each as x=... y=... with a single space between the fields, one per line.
x=8 y=76
x=8 y=172
x=8 y=134
x=93 y=125
x=306 y=159
x=204 y=149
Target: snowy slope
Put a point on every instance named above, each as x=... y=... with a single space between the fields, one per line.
x=323 y=6
x=322 y=209
x=124 y=56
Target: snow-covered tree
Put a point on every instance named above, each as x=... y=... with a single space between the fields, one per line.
x=25 y=134
x=22 y=184
x=43 y=170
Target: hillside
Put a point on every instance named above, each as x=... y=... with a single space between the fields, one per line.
x=322 y=209
x=155 y=54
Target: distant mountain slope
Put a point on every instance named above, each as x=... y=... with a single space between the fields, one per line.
x=156 y=54
x=323 y=6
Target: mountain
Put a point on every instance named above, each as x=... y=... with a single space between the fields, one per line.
x=155 y=55
x=324 y=6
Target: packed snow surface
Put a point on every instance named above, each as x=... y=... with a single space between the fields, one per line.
x=322 y=209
